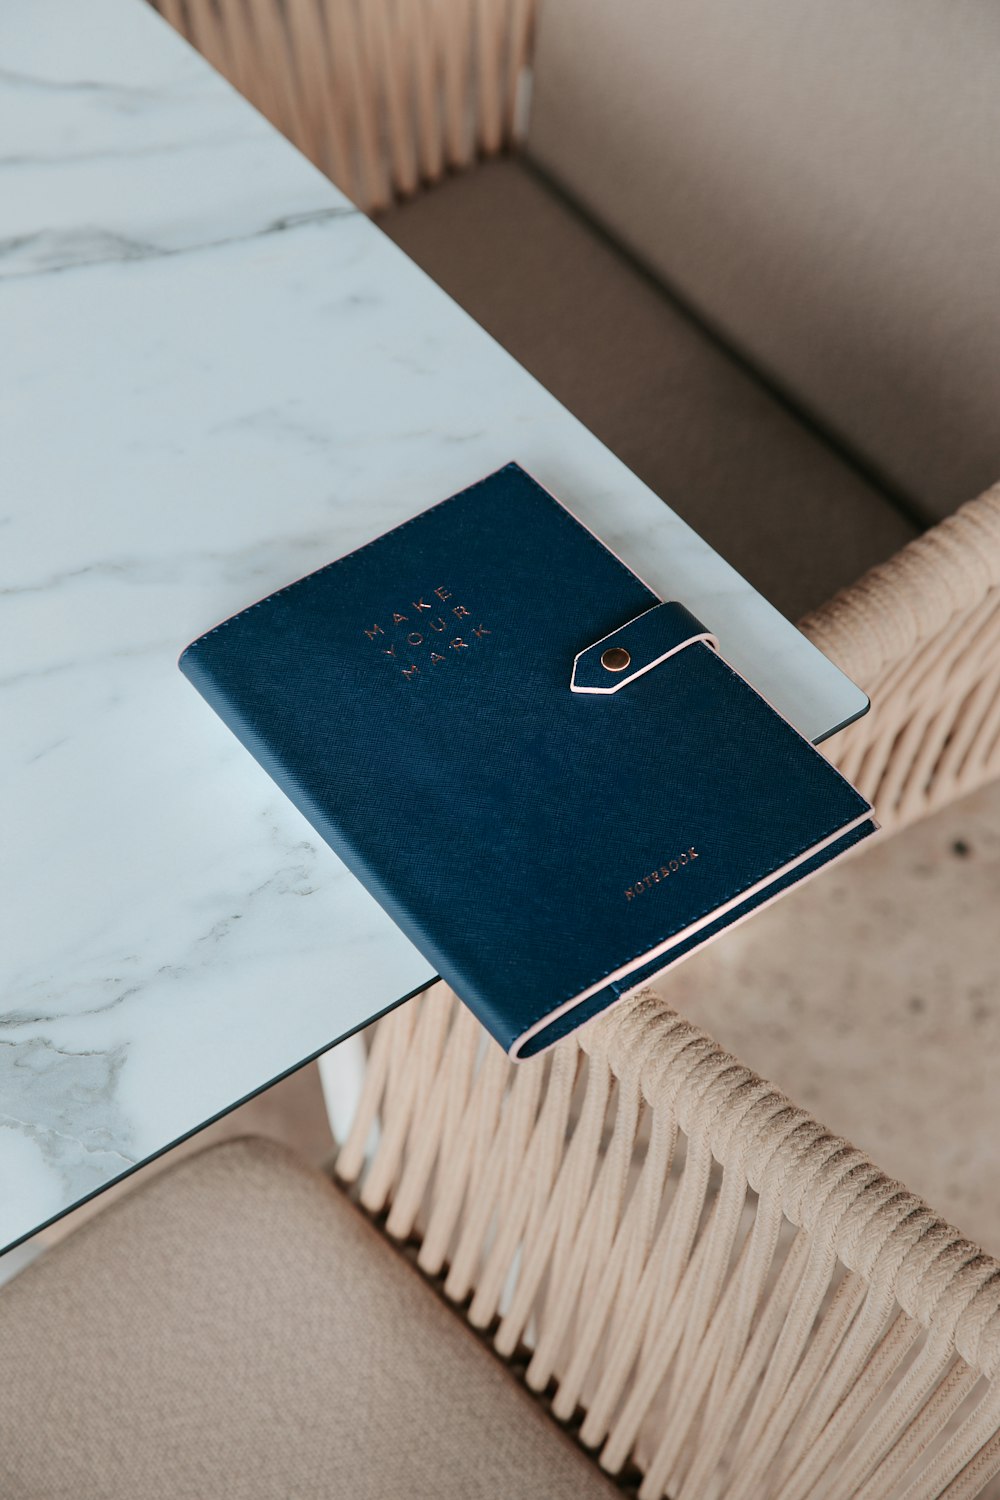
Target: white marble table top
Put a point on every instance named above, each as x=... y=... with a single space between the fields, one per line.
x=215 y=376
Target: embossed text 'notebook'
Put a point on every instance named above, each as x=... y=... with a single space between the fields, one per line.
x=552 y=781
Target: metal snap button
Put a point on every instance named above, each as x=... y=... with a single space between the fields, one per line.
x=615 y=659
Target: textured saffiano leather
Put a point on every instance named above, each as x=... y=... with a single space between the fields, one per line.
x=546 y=849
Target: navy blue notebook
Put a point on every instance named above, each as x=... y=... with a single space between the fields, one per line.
x=550 y=779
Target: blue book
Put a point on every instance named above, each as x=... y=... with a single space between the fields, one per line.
x=550 y=779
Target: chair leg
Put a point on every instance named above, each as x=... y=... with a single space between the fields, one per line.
x=21 y=1256
x=342 y=1075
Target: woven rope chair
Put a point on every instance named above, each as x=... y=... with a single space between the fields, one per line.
x=722 y=1297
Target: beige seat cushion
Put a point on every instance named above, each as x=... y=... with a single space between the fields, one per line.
x=820 y=178
x=237 y=1329
x=760 y=486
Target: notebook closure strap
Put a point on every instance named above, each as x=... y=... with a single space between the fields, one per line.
x=633 y=649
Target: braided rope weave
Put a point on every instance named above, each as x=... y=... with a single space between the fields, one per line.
x=720 y=1292
x=382 y=95
x=921 y=633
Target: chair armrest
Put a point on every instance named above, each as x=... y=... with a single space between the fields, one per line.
x=921 y=635
x=382 y=95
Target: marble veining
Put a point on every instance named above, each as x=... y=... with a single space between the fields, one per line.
x=216 y=375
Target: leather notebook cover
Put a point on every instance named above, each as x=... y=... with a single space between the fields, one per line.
x=552 y=781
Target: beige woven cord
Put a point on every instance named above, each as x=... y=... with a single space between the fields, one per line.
x=921 y=634
x=382 y=95
x=716 y=1289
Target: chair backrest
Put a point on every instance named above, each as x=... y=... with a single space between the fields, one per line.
x=821 y=179
x=385 y=96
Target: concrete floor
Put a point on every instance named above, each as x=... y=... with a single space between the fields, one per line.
x=872 y=997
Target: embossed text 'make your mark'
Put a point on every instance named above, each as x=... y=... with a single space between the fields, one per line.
x=422 y=636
